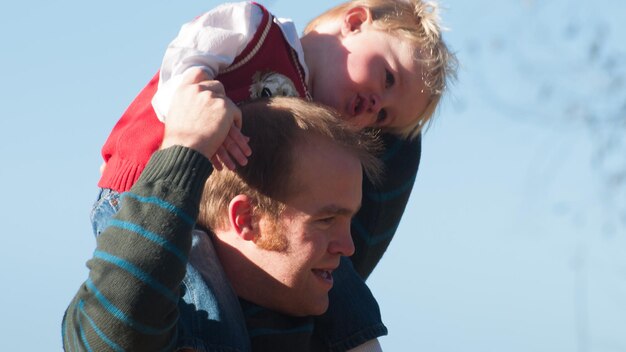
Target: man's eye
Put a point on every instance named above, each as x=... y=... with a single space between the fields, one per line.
x=389 y=79
x=326 y=221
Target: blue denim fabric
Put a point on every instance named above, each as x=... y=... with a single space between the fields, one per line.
x=106 y=205
x=210 y=313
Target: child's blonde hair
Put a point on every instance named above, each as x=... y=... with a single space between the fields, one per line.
x=417 y=22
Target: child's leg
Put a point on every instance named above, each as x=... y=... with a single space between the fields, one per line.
x=103 y=209
x=210 y=315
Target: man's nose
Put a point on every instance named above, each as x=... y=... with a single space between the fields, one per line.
x=342 y=243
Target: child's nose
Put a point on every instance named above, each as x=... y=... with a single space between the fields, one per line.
x=374 y=103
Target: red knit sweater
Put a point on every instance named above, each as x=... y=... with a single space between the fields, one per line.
x=138 y=133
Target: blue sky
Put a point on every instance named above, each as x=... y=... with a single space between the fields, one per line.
x=510 y=241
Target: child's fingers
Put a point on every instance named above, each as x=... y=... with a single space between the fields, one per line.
x=225 y=158
x=237 y=118
x=240 y=140
x=217 y=164
x=234 y=151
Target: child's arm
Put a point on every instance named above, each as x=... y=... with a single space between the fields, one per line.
x=211 y=41
x=383 y=204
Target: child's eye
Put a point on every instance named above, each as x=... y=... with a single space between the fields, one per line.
x=389 y=79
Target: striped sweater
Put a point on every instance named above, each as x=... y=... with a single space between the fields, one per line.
x=382 y=205
x=129 y=301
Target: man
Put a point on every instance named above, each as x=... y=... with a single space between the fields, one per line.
x=280 y=227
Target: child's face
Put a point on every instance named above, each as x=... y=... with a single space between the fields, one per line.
x=373 y=80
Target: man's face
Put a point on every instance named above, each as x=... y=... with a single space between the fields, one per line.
x=316 y=225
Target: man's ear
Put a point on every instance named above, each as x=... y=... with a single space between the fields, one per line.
x=240 y=217
x=354 y=19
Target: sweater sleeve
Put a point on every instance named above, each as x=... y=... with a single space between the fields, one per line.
x=129 y=301
x=211 y=41
x=383 y=205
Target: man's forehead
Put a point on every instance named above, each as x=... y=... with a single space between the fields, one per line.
x=325 y=178
x=320 y=155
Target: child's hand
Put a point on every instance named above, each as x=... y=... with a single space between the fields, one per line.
x=203 y=118
x=235 y=147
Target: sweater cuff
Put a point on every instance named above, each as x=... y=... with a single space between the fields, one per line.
x=179 y=166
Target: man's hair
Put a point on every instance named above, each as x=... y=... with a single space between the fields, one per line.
x=276 y=127
x=417 y=22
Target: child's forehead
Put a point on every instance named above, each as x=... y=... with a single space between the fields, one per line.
x=406 y=40
x=406 y=49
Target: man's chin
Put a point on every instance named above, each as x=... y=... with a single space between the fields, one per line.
x=321 y=309
x=309 y=308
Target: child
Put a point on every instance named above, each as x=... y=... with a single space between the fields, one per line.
x=381 y=63
x=351 y=82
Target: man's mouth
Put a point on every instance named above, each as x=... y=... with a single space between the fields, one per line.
x=324 y=275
